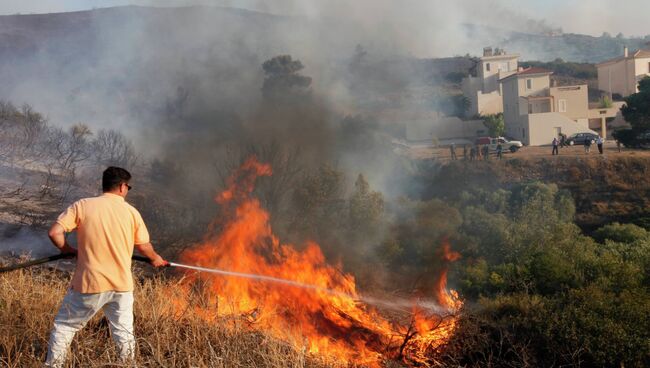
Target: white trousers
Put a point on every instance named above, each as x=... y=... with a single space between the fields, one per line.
x=78 y=308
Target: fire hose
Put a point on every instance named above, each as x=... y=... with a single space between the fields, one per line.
x=173 y=264
x=179 y=265
x=394 y=303
x=169 y=264
x=55 y=258
x=36 y=262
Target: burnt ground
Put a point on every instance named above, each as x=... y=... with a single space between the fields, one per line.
x=606 y=188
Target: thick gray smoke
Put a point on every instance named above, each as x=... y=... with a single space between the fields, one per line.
x=23 y=240
x=121 y=67
x=184 y=79
x=186 y=84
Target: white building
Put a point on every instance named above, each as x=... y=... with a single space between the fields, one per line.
x=622 y=74
x=535 y=113
x=484 y=90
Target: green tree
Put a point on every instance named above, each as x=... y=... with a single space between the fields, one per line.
x=283 y=82
x=495 y=124
x=605 y=102
x=624 y=233
x=450 y=105
x=636 y=110
x=415 y=235
x=318 y=203
x=461 y=105
x=365 y=207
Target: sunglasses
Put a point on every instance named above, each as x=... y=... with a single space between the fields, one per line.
x=128 y=186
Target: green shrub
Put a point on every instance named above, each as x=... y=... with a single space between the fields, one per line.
x=624 y=233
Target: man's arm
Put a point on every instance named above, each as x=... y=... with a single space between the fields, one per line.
x=57 y=236
x=146 y=249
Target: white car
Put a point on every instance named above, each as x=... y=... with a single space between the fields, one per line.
x=506 y=145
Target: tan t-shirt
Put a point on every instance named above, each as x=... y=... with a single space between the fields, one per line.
x=107 y=229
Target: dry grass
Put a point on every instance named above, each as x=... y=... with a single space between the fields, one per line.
x=29 y=300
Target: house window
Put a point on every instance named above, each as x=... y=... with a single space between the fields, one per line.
x=561 y=105
x=529 y=84
x=487 y=67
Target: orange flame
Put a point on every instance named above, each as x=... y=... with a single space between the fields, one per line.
x=329 y=320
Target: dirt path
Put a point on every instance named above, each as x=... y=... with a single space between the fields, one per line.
x=610 y=149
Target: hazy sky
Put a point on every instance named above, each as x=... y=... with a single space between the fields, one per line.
x=578 y=16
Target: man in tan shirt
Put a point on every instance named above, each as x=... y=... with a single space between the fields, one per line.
x=108 y=229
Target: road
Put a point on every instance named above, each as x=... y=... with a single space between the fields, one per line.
x=610 y=149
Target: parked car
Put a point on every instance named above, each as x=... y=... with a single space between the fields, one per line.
x=580 y=138
x=507 y=145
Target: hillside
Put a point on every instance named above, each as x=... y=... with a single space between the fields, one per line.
x=62 y=33
x=525 y=272
x=605 y=189
x=547 y=45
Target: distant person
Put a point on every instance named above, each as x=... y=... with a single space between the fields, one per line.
x=464 y=152
x=452 y=150
x=486 y=152
x=108 y=229
x=499 y=151
x=587 y=145
x=618 y=145
x=472 y=153
x=555 y=144
x=599 y=143
x=562 y=140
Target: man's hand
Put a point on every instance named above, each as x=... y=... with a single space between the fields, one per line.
x=67 y=249
x=158 y=261
x=146 y=250
x=57 y=236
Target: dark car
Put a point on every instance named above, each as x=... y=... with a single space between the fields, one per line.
x=580 y=138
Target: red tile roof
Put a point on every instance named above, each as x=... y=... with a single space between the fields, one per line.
x=534 y=70
x=637 y=54
x=641 y=54
x=529 y=71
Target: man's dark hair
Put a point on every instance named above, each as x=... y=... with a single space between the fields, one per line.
x=113 y=177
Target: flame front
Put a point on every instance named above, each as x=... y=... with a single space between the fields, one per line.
x=328 y=319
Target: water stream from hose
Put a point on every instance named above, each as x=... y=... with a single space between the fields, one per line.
x=396 y=303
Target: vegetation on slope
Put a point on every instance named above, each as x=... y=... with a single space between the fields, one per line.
x=584 y=71
x=539 y=292
x=545 y=294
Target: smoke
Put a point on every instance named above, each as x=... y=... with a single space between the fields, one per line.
x=20 y=240
x=186 y=83
x=123 y=67
x=593 y=17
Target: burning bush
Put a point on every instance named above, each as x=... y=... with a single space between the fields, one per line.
x=317 y=307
